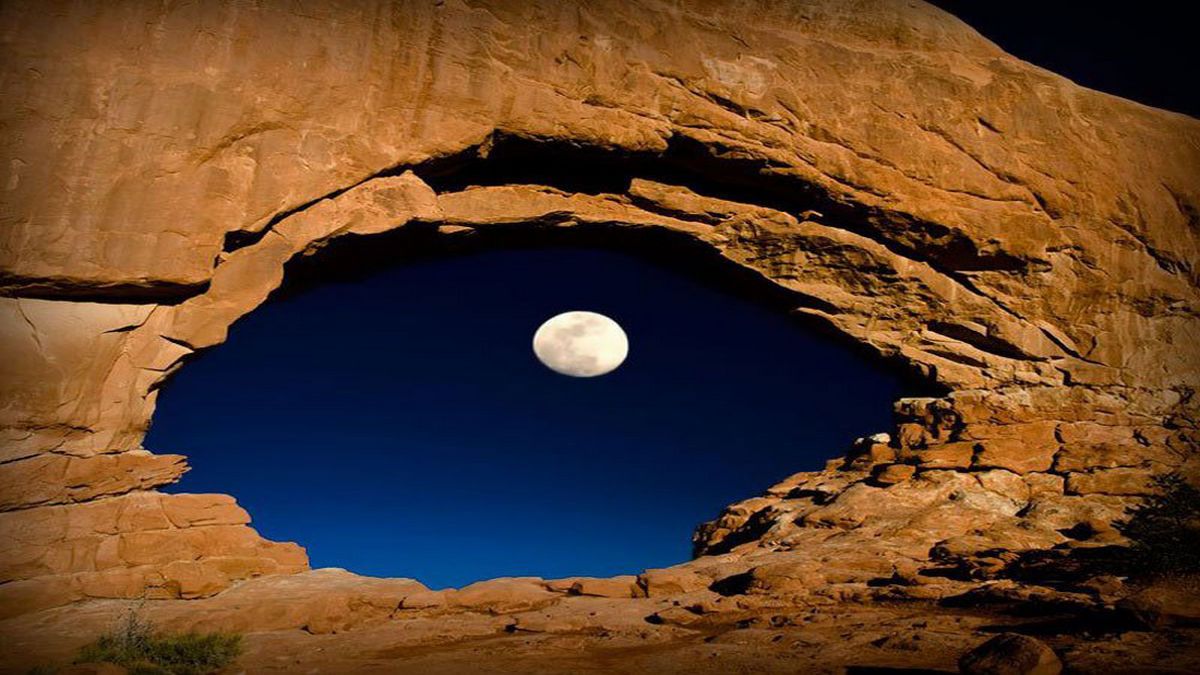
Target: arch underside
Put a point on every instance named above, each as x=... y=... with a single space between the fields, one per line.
x=816 y=257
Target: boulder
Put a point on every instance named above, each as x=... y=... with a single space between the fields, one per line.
x=785 y=578
x=892 y=474
x=1010 y=654
x=675 y=616
x=943 y=456
x=502 y=595
x=321 y=601
x=613 y=587
x=671 y=581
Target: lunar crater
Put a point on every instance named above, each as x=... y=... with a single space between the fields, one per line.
x=581 y=344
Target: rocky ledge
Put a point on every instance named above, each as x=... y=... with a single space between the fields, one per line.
x=778 y=616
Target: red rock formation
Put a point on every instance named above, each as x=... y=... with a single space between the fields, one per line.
x=1024 y=242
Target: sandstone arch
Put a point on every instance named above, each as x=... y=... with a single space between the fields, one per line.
x=1027 y=243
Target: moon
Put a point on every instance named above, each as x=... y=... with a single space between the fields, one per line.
x=581 y=344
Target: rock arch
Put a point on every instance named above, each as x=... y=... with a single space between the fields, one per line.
x=887 y=167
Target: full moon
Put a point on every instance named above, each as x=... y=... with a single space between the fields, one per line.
x=581 y=344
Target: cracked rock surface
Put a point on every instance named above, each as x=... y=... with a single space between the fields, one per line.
x=1024 y=244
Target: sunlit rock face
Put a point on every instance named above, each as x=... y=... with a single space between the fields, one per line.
x=1024 y=243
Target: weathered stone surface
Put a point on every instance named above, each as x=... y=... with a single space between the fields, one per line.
x=188 y=510
x=616 y=587
x=784 y=578
x=58 y=479
x=871 y=451
x=1121 y=481
x=133 y=545
x=895 y=473
x=503 y=595
x=1021 y=455
x=1087 y=445
x=1011 y=654
x=583 y=615
x=671 y=581
x=334 y=621
x=317 y=601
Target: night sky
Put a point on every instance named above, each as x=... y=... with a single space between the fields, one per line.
x=397 y=423
x=400 y=425
x=1145 y=51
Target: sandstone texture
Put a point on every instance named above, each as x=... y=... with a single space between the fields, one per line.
x=332 y=621
x=1024 y=245
x=1011 y=654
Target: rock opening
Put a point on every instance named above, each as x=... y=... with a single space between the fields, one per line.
x=390 y=382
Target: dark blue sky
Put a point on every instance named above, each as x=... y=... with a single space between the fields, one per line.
x=400 y=425
x=1145 y=52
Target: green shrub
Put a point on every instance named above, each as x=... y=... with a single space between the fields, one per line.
x=137 y=646
x=1164 y=531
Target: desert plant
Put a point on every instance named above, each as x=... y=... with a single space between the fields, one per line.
x=135 y=644
x=1164 y=531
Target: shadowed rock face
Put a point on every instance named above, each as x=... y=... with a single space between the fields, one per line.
x=1024 y=243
